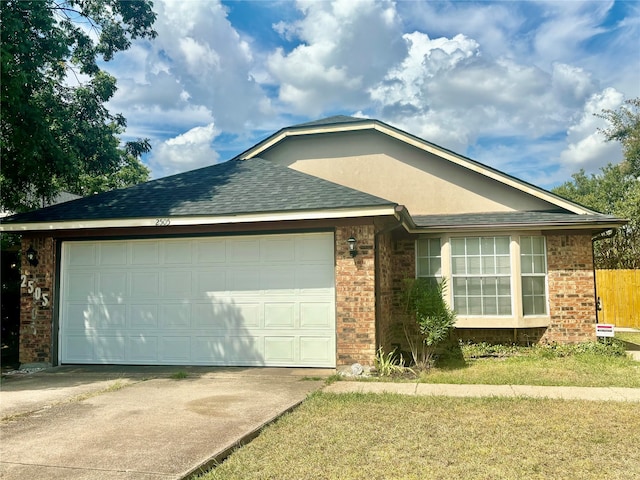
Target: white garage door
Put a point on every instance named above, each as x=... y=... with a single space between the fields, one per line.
x=241 y=300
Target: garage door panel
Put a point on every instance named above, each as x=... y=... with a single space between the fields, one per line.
x=316 y=315
x=211 y=281
x=113 y=254
x=145 y=284
x=143 y=316
x=280 y=315
x=176 y=252
x=110 y=348
x=83 y=255
x=175 y=349
x=142 y=349
x=144 y=253
x=238 y=300
x=113 y=286
x=316 y=350
x=176 y=284
x=174 y=316
x=80 y=286
x=279 y=350
x=211 y=251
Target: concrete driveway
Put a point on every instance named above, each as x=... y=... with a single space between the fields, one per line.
x=137 y=422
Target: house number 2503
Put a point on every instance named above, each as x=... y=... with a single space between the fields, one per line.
x=33 y=289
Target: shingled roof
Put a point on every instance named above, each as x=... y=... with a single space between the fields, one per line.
x=230 y=188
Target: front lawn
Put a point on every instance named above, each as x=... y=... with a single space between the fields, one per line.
x=358 y=436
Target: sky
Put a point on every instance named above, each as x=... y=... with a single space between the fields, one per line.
x=511 y=84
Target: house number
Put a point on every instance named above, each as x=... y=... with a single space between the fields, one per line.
x=162 y=222
x=33 y=289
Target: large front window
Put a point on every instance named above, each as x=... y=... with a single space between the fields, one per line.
x=489 y=276
x=481 y=275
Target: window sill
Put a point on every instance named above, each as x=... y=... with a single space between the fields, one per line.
x=502 y=322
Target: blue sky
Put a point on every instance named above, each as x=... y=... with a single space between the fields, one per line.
x=514 y=85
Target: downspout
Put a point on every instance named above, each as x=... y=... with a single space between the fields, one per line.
x=601 y=236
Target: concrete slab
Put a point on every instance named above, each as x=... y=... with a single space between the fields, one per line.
x=149 y=428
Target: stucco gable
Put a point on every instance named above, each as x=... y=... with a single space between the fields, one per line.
x=379 y=159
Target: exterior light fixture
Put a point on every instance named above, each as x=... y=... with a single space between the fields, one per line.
x=352 y=246
x=32 y=256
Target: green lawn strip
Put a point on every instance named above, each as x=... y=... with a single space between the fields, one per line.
x=629 y=337
x=359 y=436
x=578 y=370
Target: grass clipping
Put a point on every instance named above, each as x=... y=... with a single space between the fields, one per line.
x=359 y=436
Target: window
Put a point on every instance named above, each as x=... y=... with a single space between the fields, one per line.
x=481 y=275
x=429 y=259
x=533 y=260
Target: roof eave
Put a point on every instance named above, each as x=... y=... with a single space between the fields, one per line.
x=352 y=212
x=590 y=226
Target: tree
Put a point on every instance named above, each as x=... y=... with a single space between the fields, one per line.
x=625 y=128
x=55 y=131
x=615 y=190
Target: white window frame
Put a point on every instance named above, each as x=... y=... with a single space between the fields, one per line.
x=517 y=319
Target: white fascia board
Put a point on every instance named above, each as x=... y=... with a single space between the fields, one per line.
x=277 y=138
x=200 y=220
x=516 y=226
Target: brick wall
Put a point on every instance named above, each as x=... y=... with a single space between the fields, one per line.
x=571 y=289
x=355 y=296
x=384 y=294
x=36 y=302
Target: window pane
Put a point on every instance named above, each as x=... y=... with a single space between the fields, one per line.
x=487 y=246
x=526 y=264
x=525 y=246
x=502 y=245
x=537 y=285
x=475 y=286
x=434 y=266
x=473 y=246
x=458 y=266
x=488 y=265
x=490 y=306
x=489 y=286
x=434 y=247
x=539 y=305
x=504 y=286
x=473 y=266
x=460 y=305
x=538 y=265
x=457 y=246
x=474 y=306
x=423 y=248
x=537 y=244
x=504 y=305
x=459 y=287
x=423 y=267
x=527 y=305
x=503 y=265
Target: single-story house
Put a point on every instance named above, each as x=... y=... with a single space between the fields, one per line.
x=293 y=254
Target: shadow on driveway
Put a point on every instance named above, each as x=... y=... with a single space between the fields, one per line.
x=106 y=422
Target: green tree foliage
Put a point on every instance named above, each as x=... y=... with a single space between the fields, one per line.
x=428 y=318
x=55 y=131
x=615 y=190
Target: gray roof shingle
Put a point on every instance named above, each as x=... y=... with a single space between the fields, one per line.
x=230 y=188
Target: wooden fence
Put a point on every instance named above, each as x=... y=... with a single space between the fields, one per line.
x=619 y=292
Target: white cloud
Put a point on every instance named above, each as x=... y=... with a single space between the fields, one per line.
x=185 y=152
x=345 y=47
x=586 y=147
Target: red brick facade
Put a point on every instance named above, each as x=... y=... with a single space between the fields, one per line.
x=36 y=302
x=368 y=314
x=355 y=296
x=571 y=289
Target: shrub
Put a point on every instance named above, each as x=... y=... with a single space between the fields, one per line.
x=428 y=318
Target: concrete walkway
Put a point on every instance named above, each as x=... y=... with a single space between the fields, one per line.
x=614 y=394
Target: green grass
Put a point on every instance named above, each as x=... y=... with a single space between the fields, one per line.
x=629 y=337
x=179 y=375
x=586 y=370
x=359 y=436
